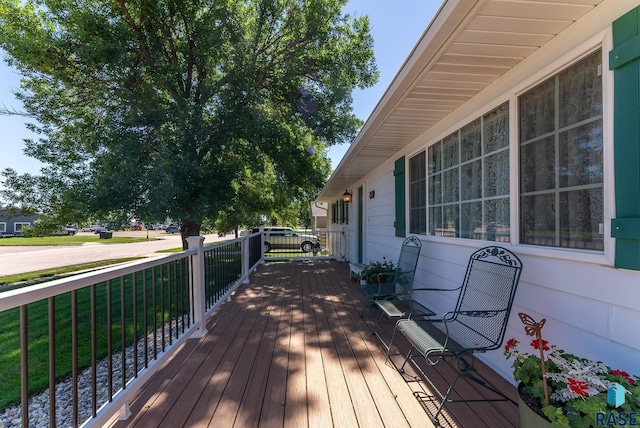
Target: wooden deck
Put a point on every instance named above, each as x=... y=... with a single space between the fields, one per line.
x=290 y=350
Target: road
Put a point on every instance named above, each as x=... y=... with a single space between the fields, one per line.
x=31 y=258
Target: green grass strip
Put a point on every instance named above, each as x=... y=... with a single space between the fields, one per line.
x=69 y=240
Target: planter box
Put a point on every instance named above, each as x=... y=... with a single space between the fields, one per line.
x=528 y=417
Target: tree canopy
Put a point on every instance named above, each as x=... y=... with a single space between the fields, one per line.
x=163 y=107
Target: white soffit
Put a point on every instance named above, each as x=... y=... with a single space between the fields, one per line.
x=467 y=46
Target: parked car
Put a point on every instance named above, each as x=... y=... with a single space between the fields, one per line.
x=99 y=229
x=66 y=231
x=136 y=227
x=288 y=239
x=172 y=229
x=115 y=226
x=90 y=228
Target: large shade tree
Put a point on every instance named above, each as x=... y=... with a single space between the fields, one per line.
x=156 y=107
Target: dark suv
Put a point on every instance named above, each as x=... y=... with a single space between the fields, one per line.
x=287 y=238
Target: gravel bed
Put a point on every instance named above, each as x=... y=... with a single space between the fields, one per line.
x=10 y=417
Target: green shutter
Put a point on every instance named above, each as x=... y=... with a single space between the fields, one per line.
x=400 y=223
x=624 y=59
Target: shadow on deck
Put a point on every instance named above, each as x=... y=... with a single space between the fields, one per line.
x=290 y=350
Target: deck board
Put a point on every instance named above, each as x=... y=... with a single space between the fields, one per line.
x=290 y=350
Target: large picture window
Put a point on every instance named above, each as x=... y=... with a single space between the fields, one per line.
x=561 y=166
x=468 y=180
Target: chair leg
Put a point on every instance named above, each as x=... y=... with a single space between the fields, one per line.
x=401 y=369
x=465 y=369
x=434 y=418
x=393 y=335
x=366 y=305
x=375 y=324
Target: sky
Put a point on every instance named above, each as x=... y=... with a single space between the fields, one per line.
x=395 y=26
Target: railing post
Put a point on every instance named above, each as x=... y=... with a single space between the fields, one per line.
x=262 y=244
x=245 y=259
x=199 y=306
x=344 y=237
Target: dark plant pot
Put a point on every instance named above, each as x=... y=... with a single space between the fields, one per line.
x=529 y=418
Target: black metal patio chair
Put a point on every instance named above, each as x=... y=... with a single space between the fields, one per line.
x=477 y=324
x=388 y=286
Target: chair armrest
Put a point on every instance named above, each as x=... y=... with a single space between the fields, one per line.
x=448 y=316
x=437 y=289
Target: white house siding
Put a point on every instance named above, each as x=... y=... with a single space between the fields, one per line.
x=592 y=309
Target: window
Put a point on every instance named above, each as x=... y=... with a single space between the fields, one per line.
x=418 y=194
x=468 y=180
x=340 y=212
x=17 y=226
x=561 y=166
x=3 y=227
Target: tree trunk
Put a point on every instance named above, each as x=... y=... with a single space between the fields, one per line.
x=188 y=228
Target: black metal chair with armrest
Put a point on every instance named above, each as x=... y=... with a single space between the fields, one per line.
x=477 y=324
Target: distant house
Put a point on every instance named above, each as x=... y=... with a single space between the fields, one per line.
x=319 y=215
x=514 y=122
x=12 y=221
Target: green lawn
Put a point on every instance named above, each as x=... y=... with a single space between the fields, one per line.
x=69 y=240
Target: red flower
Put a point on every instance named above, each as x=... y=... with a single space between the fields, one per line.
x=624 y=374
x=511 y=343
x=579 y=387
x=536 y=344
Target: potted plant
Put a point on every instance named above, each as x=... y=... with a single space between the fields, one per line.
x=375 y=271
x=565 y=390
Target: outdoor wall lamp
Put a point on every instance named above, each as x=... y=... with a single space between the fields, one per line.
x=346 y=197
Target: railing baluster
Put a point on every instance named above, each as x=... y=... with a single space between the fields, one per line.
x=155 y=315
x=209 y=279
x=162 y=308
x=52 y=362
x=109 y=342
x=94 y=355
x=175 y=284
x=145 y=312
x=178 y=297
x=169 y=306
x=74 y=354
x=123 y=335
x=135 y=323
x=24 y=365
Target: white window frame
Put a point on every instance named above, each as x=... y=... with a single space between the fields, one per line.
x=22 y=224
x=509 y=148
x=604 y=43
x=3 y=226
x=559 y=189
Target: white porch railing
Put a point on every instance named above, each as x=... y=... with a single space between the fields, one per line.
x=108 y=331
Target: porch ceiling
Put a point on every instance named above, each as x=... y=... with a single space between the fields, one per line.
x=466 y=47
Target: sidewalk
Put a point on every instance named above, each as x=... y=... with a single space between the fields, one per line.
x=31 y=258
